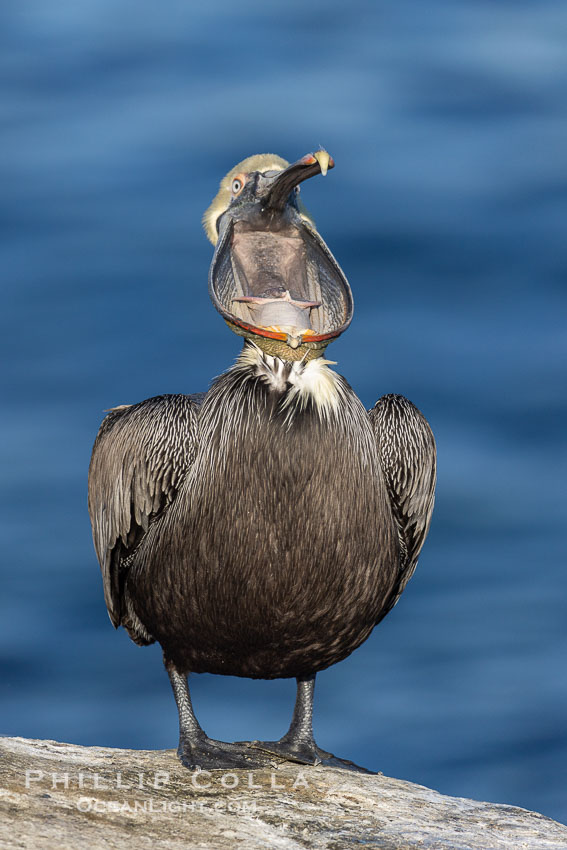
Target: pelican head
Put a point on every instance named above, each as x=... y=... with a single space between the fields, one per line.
x=272 y=277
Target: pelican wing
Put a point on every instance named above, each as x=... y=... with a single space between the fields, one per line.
x=140 y=456
x=407 y=454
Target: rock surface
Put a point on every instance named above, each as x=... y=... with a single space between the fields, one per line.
x=66 y=797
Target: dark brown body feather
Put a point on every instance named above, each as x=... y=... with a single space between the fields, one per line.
x=279 y=536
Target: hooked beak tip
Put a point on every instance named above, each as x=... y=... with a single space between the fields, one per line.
x=325 y=161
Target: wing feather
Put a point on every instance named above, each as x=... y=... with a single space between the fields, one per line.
x=140 y=456
x=408 y=458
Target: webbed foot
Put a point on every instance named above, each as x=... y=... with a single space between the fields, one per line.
x=299 y=751
x=305 y=752
x=204 y=753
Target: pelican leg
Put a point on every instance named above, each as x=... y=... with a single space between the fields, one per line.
x=196 y=750
x=298 y=743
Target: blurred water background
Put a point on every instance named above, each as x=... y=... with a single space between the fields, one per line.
x=447 y=210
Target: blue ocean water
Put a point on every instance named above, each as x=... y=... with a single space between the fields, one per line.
x=447 y=210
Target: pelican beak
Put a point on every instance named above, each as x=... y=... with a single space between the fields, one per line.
x=272 y=276
x=306 y=167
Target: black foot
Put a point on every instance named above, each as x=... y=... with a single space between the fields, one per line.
x=304 y=753
x=208 y=754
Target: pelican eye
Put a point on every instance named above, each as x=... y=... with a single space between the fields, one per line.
x=237 y=185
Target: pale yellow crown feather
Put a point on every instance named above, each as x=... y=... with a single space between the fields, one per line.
x=259 y=162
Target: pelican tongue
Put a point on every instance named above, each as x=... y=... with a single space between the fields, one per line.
x=277 y=307
x=273 y=295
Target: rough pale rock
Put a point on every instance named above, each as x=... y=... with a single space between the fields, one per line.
x=66 y=797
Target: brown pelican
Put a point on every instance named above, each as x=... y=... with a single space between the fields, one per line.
x=262 y=529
